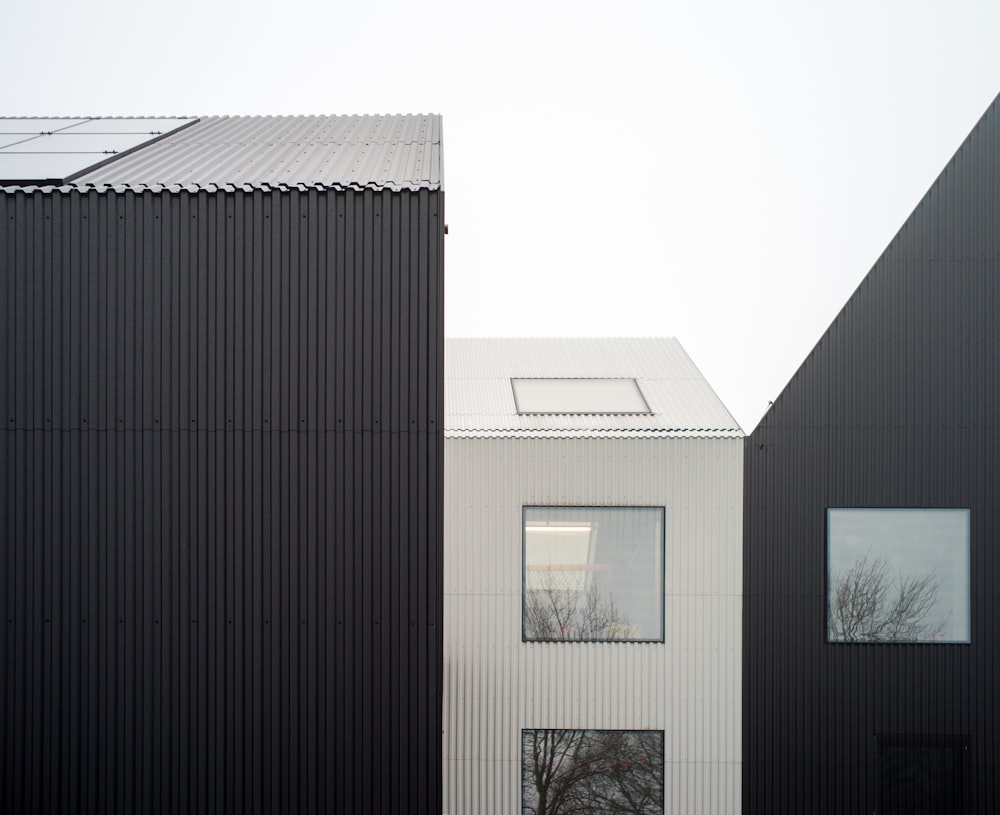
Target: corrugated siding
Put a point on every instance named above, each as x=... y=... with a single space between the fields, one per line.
x=397 y=152
x=895 y=407
x=688 y=686
x=220 y=502
x=479 y=401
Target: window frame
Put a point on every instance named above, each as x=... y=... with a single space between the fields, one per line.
x=662 y=595
x=521 y=411
x=827 y=576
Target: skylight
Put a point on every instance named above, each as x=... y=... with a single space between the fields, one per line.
x=578 y=396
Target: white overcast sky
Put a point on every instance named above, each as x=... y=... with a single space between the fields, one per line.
x=724 y=173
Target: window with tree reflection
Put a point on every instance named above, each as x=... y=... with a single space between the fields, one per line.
x=593 y=573
x=898 y=575
x=586 y=772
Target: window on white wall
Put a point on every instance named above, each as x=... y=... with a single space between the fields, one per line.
x=593 y=573
x=898 y=575
x=587 y=772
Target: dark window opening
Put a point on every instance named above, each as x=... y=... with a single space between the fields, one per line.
x=921 y=775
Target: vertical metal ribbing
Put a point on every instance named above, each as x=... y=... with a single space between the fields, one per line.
x=688 y=685
x=220 y=504
x=894 y=407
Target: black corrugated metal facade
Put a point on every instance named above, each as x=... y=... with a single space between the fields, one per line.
x=897 y=406
x=221 y=501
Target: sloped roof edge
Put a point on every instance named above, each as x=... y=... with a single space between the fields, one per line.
x=479 y=399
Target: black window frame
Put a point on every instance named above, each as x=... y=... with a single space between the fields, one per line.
x=902 y=642
x=663 y=575
x=651 y=731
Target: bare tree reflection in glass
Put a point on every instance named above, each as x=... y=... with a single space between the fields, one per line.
x=556 y=611
x=898 y=574
x=580 y=772
x=593 y=573
x=869 y=605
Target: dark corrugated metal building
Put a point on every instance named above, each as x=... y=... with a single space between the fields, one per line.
x=895 y=409
x=220 y=465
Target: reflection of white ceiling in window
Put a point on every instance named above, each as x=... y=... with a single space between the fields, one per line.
x=578 y=396
x=556 y=556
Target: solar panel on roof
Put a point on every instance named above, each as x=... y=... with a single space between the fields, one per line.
x=10 y=139
x=40 y=168
x=53 y=151
x=67 y=141
x=35 y=127
x=150 y=126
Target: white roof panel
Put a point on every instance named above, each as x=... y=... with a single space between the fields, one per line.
x=479 y=395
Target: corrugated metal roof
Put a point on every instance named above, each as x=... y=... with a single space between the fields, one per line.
x=479 y=400
x=396 y=152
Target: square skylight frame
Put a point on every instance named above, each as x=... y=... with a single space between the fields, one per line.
x=578 y=396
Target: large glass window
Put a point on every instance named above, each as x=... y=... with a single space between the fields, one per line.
x=898 y=575
x=593 y=573
x=587 y=772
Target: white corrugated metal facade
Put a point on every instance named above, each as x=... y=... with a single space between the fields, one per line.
x=495 y=685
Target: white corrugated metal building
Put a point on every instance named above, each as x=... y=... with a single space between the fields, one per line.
x=593 y=575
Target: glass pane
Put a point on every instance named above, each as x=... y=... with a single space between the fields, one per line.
x=35 y=150
x=11 y=139
x=593 y=573
x=151 y=126
x=71 y=142
x=20 y=168
x=36 y=126
x=587 y=772
x=578 y=396
x=898 y=575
